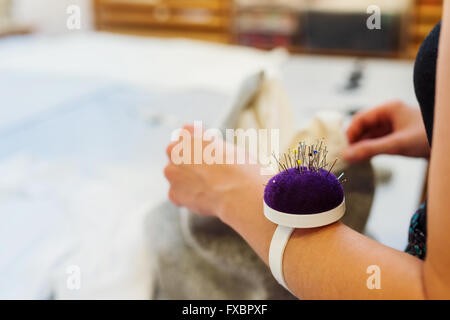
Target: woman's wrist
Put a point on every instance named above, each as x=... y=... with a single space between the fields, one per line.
x=242 y=209
x=228 y=205
x=240 y=197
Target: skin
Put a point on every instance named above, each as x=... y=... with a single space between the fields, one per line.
x=438 y=259
x=392 y=128
x=331 y=262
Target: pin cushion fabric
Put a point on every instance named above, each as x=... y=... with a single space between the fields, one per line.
x=306 y=192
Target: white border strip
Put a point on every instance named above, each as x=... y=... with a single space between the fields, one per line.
x=305 y=220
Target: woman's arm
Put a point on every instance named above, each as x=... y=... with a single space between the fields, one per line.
x=437 y=265
x=323 y=263
x=328 y=262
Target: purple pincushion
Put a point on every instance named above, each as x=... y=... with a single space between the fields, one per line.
x=307 y=192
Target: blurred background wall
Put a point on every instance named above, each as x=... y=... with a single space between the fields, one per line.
x=311 y=26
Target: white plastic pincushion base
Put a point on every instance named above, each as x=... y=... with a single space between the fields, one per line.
x=304 y=220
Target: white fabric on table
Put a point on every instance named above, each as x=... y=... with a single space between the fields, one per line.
x=84 y=121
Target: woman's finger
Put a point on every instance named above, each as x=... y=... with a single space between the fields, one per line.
x=173 y=197
x=369 y=123
x=170 y=148
x=361 y=123
x=366 y=149
x=189 y=127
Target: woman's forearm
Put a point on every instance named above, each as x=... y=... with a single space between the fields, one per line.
x=331 y=262
x=328 y=262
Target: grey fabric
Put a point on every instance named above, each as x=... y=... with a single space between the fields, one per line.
x=215 y=263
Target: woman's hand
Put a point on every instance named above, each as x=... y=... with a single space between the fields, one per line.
x=392 y=128
x=211 y=189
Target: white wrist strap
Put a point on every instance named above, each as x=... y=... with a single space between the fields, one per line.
x=283 y=233
x=277 y=246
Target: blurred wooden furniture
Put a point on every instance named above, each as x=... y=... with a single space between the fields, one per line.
x=7 y=26
x=13 y=30
x=209 y=20
x=213 y=20
x=427 y=13
x=324 y=26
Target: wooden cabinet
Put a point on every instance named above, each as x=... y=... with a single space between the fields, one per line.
x=213 y=20
x=209 y=20
x=427 y=13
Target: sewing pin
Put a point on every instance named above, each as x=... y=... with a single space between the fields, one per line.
x=331 y=167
